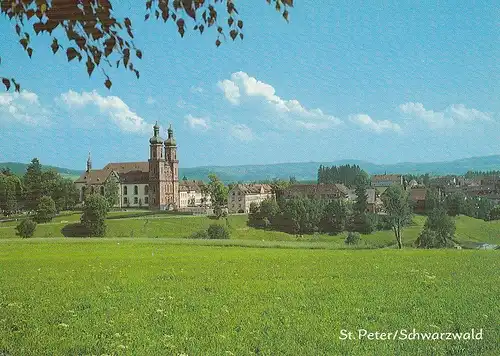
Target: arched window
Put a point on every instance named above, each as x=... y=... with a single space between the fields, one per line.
x=102 y=190
x=125 y=190
x=146 y=190
x=136 y=190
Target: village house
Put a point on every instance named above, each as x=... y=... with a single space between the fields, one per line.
x=374 y=201
x=153 y=184
x=383 y=181
x=242 y=195
x=418 y=197
x=192 y=194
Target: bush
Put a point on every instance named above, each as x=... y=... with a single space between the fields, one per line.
x=202 y=234
x=353 y=238
x=432 y=239
x=216 y=231
x=94 y=215
x=364 y=223
x=26 y=228
x=45 y=210
x=495 y=213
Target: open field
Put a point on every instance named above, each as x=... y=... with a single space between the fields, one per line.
x=152 y=297
x=127 y=224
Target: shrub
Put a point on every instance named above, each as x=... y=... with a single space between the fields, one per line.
x=202 y=234
x=216 y=231
x=353 y=238
x=495 y=213
x=432 y=239
x=94 y=215
x=26 y=228
x=45 y=210
x=364 y=223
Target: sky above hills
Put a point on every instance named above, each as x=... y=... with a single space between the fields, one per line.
x=342 y=80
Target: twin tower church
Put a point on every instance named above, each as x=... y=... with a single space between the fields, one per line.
x=153 y=184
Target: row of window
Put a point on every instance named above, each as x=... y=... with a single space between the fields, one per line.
x=136 y=190
x=136 y=200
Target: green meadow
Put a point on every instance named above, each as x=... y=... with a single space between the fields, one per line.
x=139 y=224
x=155 y=297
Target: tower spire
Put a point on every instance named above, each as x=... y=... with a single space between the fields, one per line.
x=89 y=163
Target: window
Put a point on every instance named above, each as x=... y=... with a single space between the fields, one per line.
x=146 y=190
x=136 y=190
x=136 y=200
x=125 y=191
x=125 y=200
x=102 y=190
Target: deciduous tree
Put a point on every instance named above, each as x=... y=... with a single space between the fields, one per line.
x=398 y=209
x=94 y=214
x=45 y=210
x=218 y=195
x=89 y=31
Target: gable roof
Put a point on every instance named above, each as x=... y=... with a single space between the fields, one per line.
x=191 y=185
x=386 y=177
x=254 y=188
x=129 y=172
x=124 y=167
x=417 y=194
x=95 y=176
x=134 y=177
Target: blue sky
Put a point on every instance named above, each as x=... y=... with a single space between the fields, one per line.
x=343 y=80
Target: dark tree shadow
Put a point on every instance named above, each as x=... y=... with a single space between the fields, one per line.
x=74 y=230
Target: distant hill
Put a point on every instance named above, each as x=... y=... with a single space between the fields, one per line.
x=20 y=169
x=307 y=171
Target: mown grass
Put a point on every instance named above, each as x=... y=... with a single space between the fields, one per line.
x=152 y=297
x=120 y=224
x=162 y=225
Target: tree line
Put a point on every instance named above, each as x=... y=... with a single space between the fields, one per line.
x=345 y=174
x=25 y=193
x=303 y=215
x=480 y=174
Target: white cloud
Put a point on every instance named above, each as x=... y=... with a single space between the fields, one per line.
x=197 y=122
x=196 y=90
x=367 y=122
x=111 y=106
x=242 y=132
x=231 y=91
x=23 y=107
x=241 y=83
x=450 y=116
x=150 y=100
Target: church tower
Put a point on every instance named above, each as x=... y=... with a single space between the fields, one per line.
x=89 y=164
x=172 y=169
x=157 y=181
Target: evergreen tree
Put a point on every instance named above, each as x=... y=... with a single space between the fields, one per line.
x=94 y=214
x=45 y=210
x=111 y=191
x=33 y=184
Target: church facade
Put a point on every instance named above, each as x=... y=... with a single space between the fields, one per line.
x=153 y=184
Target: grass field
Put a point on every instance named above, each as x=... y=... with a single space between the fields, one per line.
x=154 y=297
x=126 y=224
